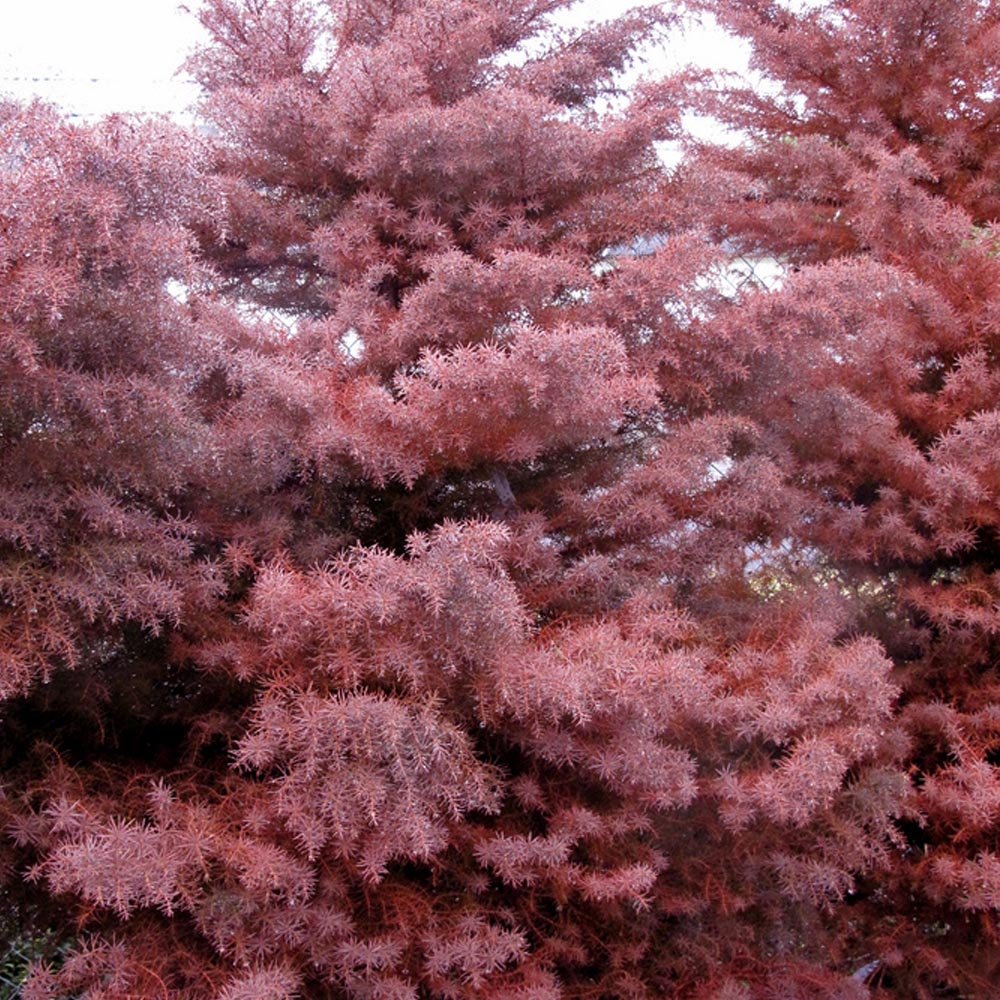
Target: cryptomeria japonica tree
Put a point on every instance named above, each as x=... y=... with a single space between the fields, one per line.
x=480 y=674
x=871 y=163
x=104 y=424
x=100 y=433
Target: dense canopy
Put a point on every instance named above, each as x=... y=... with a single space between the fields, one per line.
x=425 y=575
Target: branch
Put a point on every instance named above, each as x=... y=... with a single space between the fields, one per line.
x=501 y=485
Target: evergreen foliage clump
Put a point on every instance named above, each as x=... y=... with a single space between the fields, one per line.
x=420 y=581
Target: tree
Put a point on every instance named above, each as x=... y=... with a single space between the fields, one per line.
x=105 y=375
x=92 y=533
x=496 y=687
x=871 y=167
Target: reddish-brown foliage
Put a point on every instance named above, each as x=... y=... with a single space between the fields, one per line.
x=871 y=161
x=419 y=581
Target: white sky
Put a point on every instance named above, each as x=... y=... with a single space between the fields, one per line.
x=95 y=57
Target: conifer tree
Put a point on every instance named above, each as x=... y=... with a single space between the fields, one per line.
x=99 y=431
x=104 y=443
x=487 y=680
x=871 y=167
